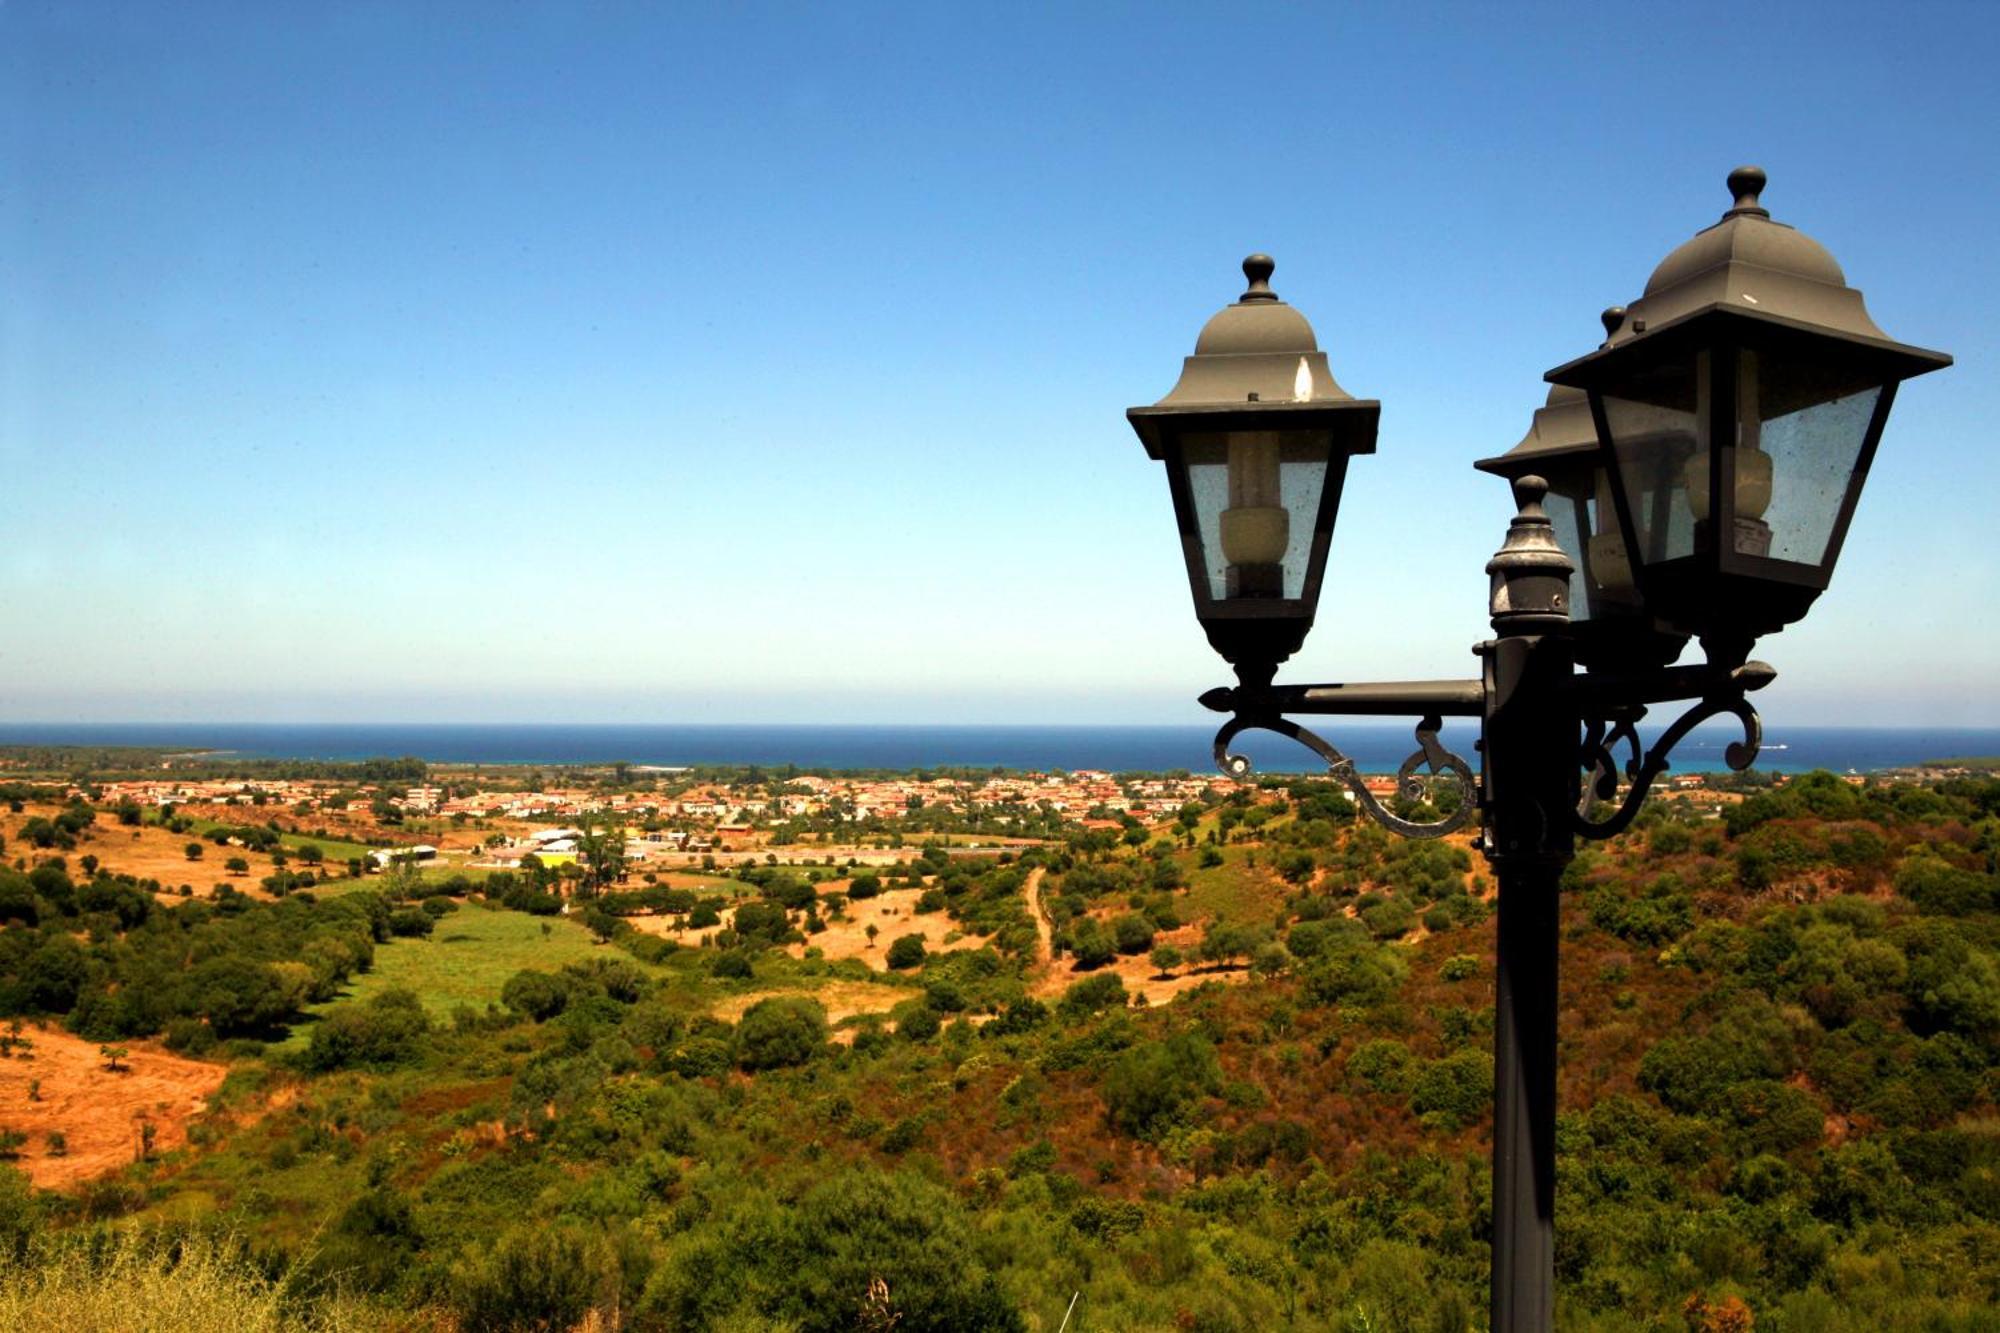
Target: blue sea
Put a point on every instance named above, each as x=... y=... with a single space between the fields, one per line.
x=1374 y=746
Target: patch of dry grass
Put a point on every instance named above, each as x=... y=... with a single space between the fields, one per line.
x=141 y=1284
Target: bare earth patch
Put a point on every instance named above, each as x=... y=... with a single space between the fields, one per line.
x=893 y=914
x=841 y=1000
x=98 y=1111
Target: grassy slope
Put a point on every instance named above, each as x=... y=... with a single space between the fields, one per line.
x=468 y=959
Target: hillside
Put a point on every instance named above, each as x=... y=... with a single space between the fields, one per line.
x=1230 y=1070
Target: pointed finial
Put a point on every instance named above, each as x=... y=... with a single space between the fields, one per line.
x=1746 y=184
x=1613 y=316
x=1258 y=268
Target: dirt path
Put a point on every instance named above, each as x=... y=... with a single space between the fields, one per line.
x=1045 y=936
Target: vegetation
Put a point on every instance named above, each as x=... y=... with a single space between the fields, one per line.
x=454 y=1105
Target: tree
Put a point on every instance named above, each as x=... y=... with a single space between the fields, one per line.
x=1151 y=1086
x=194 y=851
x=600 y=846
x=907 y=951
x=236 y=865
x=384 y=1031
x=1132 y=933
x=780 y=1032
x=1166 y=957
x=1092 y=945
x=114 y=1058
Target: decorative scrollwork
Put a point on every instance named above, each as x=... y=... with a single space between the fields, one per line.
x=1601 y=784
x=1601 y=739
x=1443 y=767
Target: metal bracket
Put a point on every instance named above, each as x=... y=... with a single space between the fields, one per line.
x=1443 y=766
x=1602 y=784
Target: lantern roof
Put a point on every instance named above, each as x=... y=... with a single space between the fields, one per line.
x=1747 y=267
x=1258 y=350
x=1560 y=427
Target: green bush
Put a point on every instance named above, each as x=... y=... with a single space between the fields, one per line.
x=1091 y=944
x=386 y=1030
x=906 y=952
x=536 y=994
x=1153 y=1085
x=1384 y=1065
x=780 y=1032
x=1458 y=967
x=1456 y=1090
x=1092 y=994
x=1132 y=933
x=534 y=1279
x=865 y=1249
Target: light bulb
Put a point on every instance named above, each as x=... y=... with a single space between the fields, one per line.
x=1255 y=527
x=1753 y=466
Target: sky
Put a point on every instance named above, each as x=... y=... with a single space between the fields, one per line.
x=768 y=363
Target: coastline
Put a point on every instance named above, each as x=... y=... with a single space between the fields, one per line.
x=1374 y=747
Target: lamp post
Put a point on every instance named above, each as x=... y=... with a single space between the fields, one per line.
x=1692 y=478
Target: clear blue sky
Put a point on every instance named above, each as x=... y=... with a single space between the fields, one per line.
x=769 y=363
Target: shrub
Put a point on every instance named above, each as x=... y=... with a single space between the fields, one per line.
x=535 y=1278
x=1383 y=1065
x=1091 y=944
x=1389 y=920
x=864 y=886
x=1153 y=1085
x=1132 y=933
x=866 y=1249
x=386 y=1030
x=780 y=1032
x=1458 y=967
x=1094 y=993
x=536 y=994
x=1456 y=1090
x=733 y=965
x=411 y=922
x=907 y=952
x=919 y=1023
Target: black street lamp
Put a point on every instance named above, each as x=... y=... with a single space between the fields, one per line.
x=1256 y=438
x=1693 y=477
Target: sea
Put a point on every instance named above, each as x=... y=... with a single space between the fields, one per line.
x=1373 y=746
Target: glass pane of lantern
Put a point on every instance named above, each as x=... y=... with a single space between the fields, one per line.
x=1256 y=497
x=1801 y=427
x=1612 y=587
x=1658 y=422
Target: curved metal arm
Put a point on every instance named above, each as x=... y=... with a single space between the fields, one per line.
x=1414 y=786
x=1600 y=758
x=1597 y=755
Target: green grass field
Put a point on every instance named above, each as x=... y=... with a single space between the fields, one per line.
x=469 y=959
x=1233 y=891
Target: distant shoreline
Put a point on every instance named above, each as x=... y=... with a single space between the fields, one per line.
x=1374 y=747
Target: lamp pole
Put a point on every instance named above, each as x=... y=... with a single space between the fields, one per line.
x=1692 y=478
x=1531 y=790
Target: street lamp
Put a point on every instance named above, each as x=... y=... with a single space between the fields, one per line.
x=1693 y=477
x=1739 y=405
x=1256 y=438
